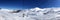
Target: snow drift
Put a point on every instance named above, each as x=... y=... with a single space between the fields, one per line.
x=31 y=14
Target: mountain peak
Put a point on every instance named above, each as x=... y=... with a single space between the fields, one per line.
x=35 y=9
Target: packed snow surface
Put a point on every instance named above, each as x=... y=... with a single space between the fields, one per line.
x=31 y=14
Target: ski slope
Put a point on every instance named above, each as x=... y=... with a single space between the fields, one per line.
x=31 y=14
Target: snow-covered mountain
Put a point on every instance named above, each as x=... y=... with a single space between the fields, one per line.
x=31 y=14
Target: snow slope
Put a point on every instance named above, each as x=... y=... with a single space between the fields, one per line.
x=31 y=14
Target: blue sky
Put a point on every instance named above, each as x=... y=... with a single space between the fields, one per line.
x=41 y=3
x=23 y=4
x=11 y=4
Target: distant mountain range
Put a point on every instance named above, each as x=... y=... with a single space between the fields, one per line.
x=30 y=14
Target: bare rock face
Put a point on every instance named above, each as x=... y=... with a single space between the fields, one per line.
x=16 y=11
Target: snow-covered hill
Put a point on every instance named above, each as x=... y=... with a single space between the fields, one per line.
x=31 y=14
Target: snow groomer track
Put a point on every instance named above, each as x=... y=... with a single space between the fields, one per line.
x=30 y=14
